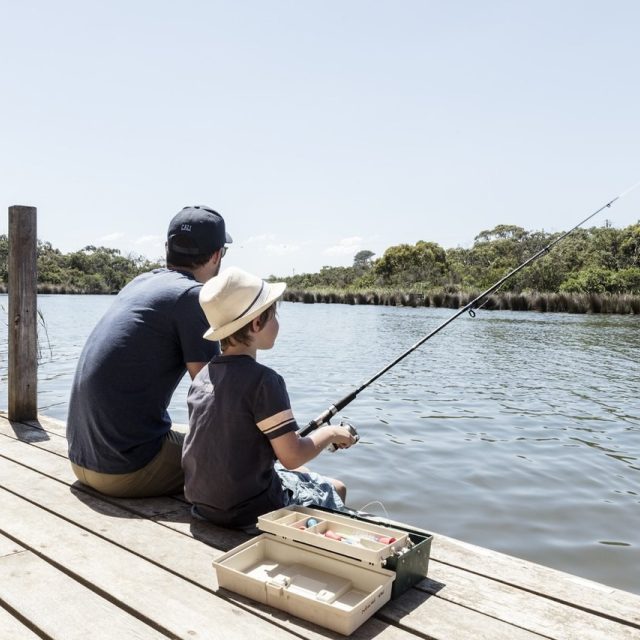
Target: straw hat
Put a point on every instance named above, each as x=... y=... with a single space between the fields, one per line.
x=234 y=298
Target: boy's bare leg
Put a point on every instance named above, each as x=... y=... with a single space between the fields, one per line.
x=340 y=488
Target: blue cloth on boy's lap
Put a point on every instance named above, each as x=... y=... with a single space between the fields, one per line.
x=308 y=488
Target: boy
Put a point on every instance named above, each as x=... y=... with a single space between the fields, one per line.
x=240 y=418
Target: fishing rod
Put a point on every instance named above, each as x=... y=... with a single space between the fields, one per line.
x=326 y=415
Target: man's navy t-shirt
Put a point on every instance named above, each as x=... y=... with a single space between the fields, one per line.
x=130 y=367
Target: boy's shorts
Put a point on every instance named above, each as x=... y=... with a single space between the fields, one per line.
x=307 y=489
x=299 y=488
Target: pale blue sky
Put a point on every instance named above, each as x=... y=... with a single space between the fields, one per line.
x=317 y=129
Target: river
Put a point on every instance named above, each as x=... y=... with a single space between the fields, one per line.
x=517 y=431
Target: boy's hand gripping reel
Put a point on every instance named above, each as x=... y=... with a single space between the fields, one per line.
x=352 y=430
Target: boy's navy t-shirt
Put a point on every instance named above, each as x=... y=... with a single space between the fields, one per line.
x=129 y=368
x=236 y=406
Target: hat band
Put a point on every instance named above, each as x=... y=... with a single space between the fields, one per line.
x=252 y=303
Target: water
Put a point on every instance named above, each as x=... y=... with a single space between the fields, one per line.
x=516 y=431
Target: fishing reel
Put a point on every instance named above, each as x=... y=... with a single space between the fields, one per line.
x=352 y=430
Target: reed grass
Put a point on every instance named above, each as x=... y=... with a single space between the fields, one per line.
x=607 y=303
x=47 y=288
x=622 y=304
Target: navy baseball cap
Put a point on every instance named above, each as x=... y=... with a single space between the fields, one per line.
x=197 y=230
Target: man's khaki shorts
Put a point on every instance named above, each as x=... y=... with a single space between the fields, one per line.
x=162 y=476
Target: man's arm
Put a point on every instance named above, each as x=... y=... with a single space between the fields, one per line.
x=194 y=367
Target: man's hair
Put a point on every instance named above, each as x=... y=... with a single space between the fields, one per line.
x=190 y=262
x=242 y=335
x=187 y=259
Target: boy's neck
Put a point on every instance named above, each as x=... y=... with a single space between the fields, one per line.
x=240 y=350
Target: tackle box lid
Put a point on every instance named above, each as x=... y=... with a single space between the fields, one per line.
x=341 y=533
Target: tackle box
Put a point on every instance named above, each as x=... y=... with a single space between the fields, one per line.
x=325 y=566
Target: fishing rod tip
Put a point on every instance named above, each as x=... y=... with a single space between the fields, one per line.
x=629 y=190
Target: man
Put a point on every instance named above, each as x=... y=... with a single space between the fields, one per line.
x=118 y=428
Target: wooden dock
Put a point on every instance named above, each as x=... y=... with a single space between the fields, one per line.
x=74 y=564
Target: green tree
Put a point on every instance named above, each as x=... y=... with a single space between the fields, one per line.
x=598 y=259
x=589 y=280
x=629 y=248
x=362 y=259
x=424 y=262
x=626 y=280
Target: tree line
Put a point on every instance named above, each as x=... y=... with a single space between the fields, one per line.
x=89 y=270
x=597 y=260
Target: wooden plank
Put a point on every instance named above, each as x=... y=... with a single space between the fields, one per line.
x=538 y=614
x=58 y=467
x=9 y=547
x=12 y=629
x=30 y=433
x=23 y=310
x=526 y=611
x=160 y=552
x=59 y=607
x=525 y=574
x=611 y=602
x=53 y=425
x=178 y=553
x=538 y=579
x=169 y=603
x=434 y=617
x=34 y=434
x=182 y=554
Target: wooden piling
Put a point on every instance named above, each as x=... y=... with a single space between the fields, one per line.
x=22 y=319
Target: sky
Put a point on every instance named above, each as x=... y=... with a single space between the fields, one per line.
x=317 y=129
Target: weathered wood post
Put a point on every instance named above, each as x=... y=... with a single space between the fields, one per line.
x=22 y=319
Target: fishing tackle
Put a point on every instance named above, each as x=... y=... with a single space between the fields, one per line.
x=326 y=415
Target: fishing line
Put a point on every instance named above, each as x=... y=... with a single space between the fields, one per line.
x=384 y=510
x=326 y=415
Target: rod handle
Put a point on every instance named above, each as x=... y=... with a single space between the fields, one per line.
x=325 y=416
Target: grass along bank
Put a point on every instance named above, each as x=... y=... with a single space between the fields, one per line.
x=623 y=304
x=620 y=303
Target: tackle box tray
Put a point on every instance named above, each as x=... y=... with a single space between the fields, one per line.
x=323 y=566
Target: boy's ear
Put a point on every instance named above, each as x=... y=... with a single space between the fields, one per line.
x=255 y=325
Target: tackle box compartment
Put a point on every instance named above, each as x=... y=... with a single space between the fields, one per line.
x=325 y=566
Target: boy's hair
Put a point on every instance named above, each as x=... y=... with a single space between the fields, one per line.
x=242 y=335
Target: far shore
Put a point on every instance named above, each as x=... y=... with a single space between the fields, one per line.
x=623 y=304
x=609 y=303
